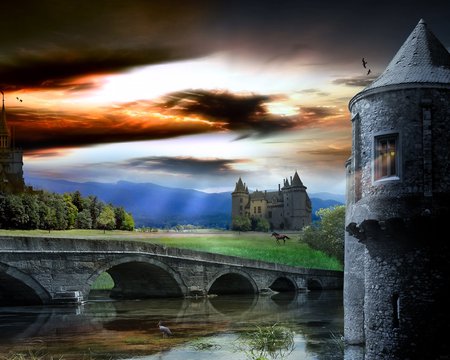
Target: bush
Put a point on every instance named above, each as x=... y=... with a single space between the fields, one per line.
x=327 y=235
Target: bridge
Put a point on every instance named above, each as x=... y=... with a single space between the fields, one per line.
x=36 y=270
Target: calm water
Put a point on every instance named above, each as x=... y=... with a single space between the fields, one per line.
x=203 y=328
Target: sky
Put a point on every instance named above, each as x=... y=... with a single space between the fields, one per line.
x=195 y=94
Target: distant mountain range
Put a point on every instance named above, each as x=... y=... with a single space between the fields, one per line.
x=155 y=205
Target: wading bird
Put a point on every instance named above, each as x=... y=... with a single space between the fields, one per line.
x=164 y=330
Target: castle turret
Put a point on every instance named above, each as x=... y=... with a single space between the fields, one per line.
x=398 y=197
x=5 y=135
x=239 y=199
x=11 y=164
x=297 y=205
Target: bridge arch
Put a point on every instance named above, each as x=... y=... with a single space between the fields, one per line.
x=284 y=283
x=19 y=288
x=232 y=282
x=138 y=277
x=314 y=284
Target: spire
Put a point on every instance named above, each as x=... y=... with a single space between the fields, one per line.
x=296 y=180
x=421 y=59
x=240 y=187
x=4 y=131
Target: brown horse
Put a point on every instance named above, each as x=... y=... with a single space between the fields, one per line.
x=279 y=237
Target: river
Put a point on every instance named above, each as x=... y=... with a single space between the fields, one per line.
x=203 y=328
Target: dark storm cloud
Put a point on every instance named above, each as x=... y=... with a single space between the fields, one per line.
x=109 y=35
x=240 y=113
x=183 y=165
x=55 y=69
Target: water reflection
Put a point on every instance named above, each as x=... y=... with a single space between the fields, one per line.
x=119 y=329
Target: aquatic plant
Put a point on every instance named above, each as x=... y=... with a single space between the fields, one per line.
x=200 y=345
x=338 y=340
x=266 y=342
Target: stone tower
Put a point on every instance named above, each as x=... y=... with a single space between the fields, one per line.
x=297 y=205
x=11 y=164
x=398 y=196
x=239 y=199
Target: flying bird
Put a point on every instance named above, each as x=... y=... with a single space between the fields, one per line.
x=364 y=62
x=368 y=72
x=18 y=99
x=164 y=330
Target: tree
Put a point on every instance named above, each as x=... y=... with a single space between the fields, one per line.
x=119 y=214
x=128 y=223
x=31 y=205
x=328 y=233
x=84 y=220
x=241 y=223
x=72 y=211
x=262 y=225
x=106 y=220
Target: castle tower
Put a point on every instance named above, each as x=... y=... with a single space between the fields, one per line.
x=398 y=199
x=297 y=205
x=239 y=199
x=11 y=164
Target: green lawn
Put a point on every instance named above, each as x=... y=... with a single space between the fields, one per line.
x=258 y=246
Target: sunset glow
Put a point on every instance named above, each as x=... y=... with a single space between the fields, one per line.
x=258 y=92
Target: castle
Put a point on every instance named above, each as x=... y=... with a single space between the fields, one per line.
x=11 y=164
x=288 y=208
x=397 y=270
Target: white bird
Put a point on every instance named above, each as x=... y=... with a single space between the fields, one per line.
x=164 y=330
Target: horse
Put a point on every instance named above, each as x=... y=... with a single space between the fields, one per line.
x=279 y=237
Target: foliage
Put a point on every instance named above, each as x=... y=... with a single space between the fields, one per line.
x=106 y=220
x=103 y=282
x=241 y=223
x=262 y=225
x=268 y=342
x=327 y=235
x=50 y=211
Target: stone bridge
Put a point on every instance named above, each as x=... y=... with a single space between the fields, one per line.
x=45 y=270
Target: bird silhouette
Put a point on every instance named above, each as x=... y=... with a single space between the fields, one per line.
x=364 y=62
x=18 y=99
x=164 y=330
x=368 y=72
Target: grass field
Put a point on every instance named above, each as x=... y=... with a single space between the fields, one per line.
x=258 y=246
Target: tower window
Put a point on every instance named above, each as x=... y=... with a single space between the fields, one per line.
x=240 y=200
x=270 y=214
x=259 y=209
x=386 y=157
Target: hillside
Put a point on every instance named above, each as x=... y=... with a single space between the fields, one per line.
x=155 y=205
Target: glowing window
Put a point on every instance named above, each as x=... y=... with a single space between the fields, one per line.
x=386 y=157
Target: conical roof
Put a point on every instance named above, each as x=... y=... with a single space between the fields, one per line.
x=296 y=180
x=421 y=59
x=3 y=125
x=240 y=187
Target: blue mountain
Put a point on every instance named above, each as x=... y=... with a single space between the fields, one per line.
x=155 y=205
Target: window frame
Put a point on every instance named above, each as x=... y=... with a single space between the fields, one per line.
x=380 y=136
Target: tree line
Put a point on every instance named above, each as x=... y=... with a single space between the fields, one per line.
x=50 y=211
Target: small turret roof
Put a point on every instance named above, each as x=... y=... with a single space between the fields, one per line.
x=240 y=187
x=296 y=180
x=421 y=59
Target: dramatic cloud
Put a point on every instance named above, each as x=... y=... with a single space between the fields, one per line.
x=183 y=165
x=247 y=114
x=46 y=129
x=59 y=69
